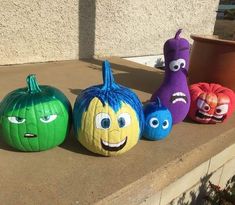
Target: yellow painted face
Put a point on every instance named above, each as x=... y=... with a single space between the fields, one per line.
x=107 y=132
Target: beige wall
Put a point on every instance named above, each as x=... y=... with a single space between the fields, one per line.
x=140 y=27
x=40 y=30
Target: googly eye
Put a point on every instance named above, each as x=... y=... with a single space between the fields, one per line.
x=102 y=121
x=16 y=120
x=153 y=122
x=181 y=62
x=124 y=120
x=174 y=66
x=165 y=124
x=48 y=118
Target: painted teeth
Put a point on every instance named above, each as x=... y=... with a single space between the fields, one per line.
x=218 y=116
x=29 y=135
x=114 y=144
x=204 y=113
x=179 y=100
x=179 y=94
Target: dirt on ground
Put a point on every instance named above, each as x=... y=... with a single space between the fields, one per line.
x=225 y=29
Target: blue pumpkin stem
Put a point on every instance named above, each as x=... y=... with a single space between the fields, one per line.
x=158 y=102
x=32 y=83
x=108 y=80
x=177 y=35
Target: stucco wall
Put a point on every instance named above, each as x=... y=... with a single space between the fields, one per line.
x=40 y=30
x=132 y=28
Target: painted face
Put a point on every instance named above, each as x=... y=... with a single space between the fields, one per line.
x=212 y=108
x=210 y=103
x=107 y=132
x=35 y=127
x=158 y=124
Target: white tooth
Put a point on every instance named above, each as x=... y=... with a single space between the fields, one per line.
x=179 y=100
x=114 y=144
x=204 y=119
x=218 y=116
x=28 y=134
x=204 y=113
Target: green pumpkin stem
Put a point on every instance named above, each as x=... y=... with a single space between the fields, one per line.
x=32 y=83
x=108 y=79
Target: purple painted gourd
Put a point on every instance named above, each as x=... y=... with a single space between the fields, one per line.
x=174 y=91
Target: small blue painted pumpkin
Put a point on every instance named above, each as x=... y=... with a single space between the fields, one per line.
x=158 y=121
x=108 y=118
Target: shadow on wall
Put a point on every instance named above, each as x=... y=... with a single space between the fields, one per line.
x=195 y=198
x=87 y=13
x=139 y=79
x=132 y=77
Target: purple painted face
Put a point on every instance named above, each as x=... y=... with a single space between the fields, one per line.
x=174 y=92
x=176 y=52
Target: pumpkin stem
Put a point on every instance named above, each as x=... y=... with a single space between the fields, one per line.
x=158 y=102
x=177 y=35
x=108 y=80
x=32 y=83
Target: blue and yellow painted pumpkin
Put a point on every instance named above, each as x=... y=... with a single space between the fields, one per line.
x=108 y=118
x=158 y=121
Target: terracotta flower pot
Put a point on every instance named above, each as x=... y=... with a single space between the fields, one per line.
x=212 y=60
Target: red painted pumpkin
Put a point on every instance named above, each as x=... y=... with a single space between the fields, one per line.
x=211 y=103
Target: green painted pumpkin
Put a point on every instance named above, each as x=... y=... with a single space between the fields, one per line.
x=35 y=118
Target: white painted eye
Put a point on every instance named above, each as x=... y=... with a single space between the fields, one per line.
x=221 y=109
x=102 y=121
x=16 y=120
x=153 y=122
x=124 y=120
x=165 y=124
x=201 y=104
x=48 y=118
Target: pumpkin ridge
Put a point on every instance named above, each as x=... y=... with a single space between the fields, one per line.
x=18 y=137
x=3 y=110
x=11 y=141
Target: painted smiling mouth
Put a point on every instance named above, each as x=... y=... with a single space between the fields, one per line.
x=207 y=117
x=30 y=135
x=179 y=97
x=113 y=147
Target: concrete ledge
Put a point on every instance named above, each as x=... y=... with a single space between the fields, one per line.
x=70 y=174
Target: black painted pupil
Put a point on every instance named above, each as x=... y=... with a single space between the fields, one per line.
x=121 y=122
x=176 y=67
x=154 y=122
x=218 y=110
x=164 y=123
x=19 y=119
x=181 y=64
x=46 y=118
x=105 y=123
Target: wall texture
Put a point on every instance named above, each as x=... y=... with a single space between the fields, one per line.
x=137 y=27
x=40 y=30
